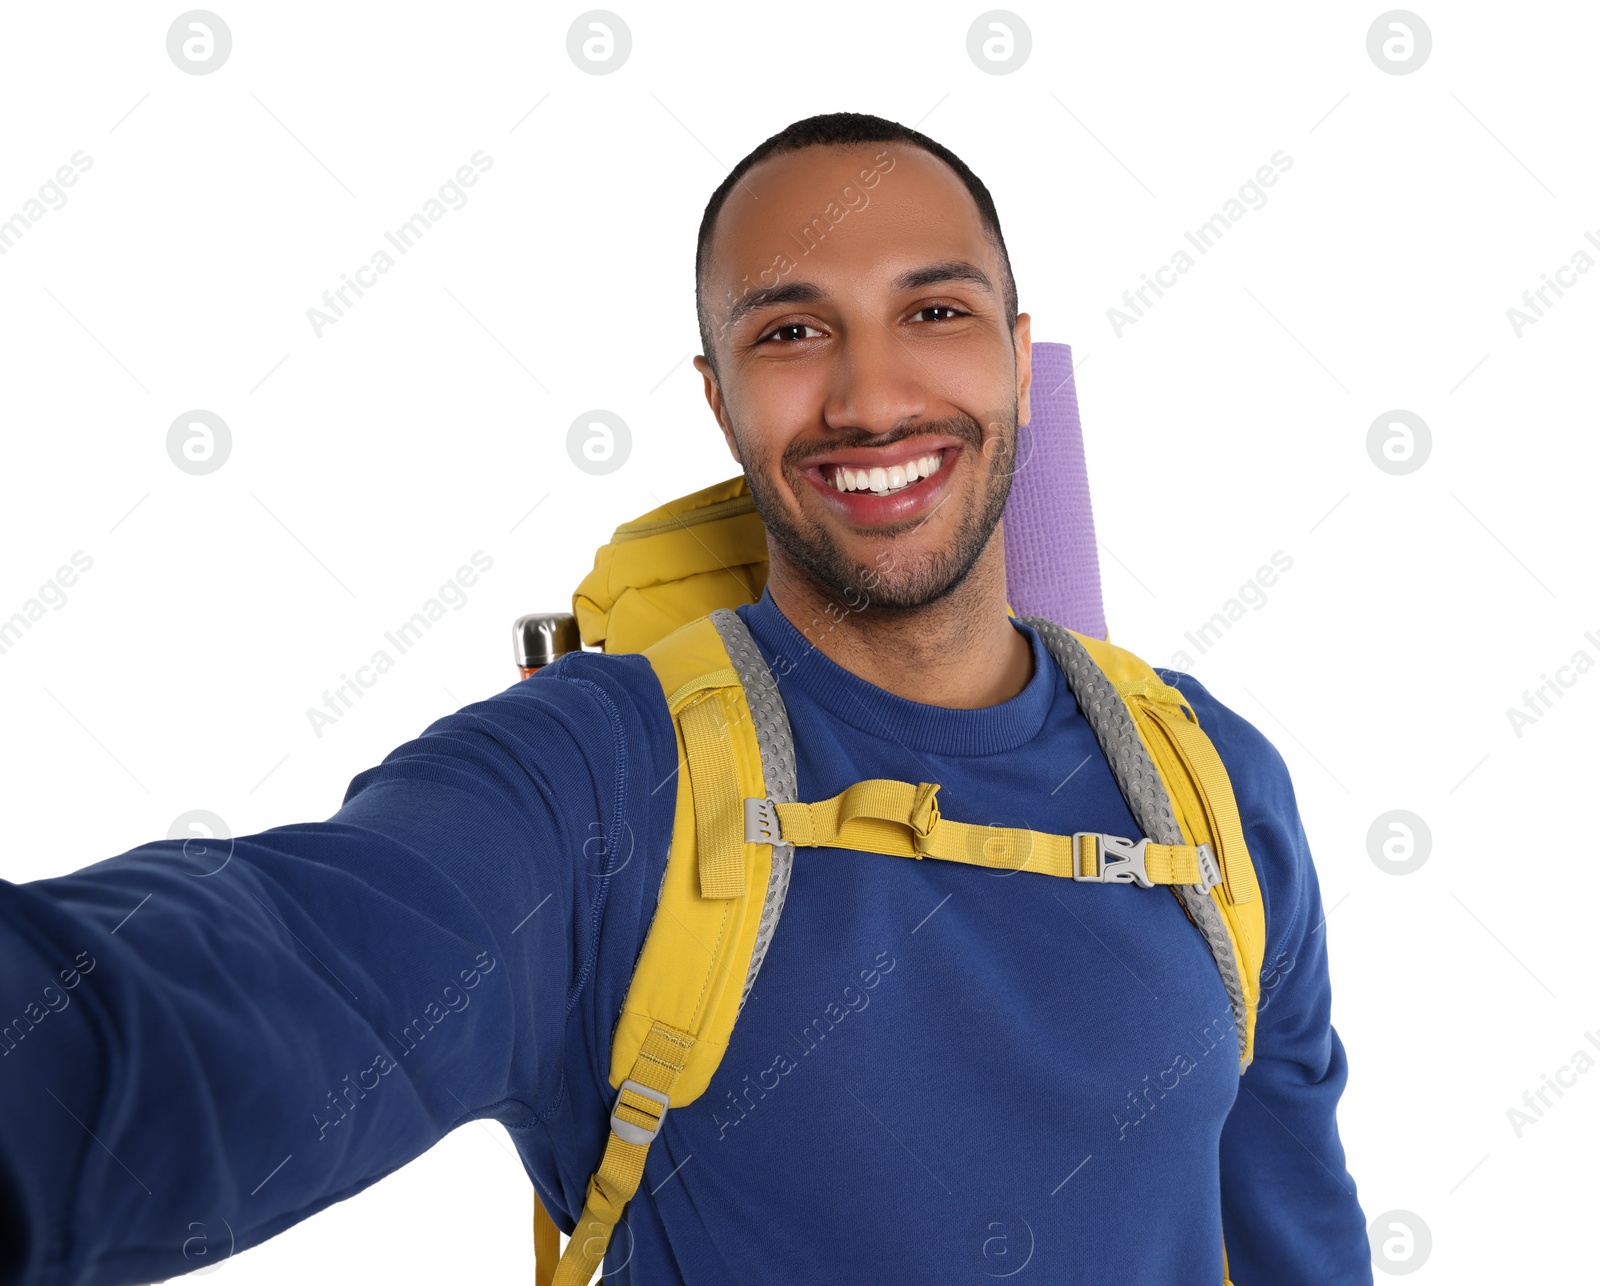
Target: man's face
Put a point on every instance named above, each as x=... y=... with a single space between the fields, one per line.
x=873 y=361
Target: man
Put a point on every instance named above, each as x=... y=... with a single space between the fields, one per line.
x=944 y=1074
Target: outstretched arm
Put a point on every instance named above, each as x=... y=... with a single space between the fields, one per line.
x=199 y=1050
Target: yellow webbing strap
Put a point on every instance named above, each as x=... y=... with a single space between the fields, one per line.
x=546 y=1243
x=621 y=1167
x=902 y=820
x=718 y=809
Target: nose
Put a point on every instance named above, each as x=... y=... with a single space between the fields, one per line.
x=878 y=384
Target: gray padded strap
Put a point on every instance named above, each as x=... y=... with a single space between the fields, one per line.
x=1141 y=786
x=776 y=743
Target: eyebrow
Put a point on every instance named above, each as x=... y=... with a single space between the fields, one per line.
x=806 y=292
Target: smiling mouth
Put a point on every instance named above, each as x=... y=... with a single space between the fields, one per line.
x=881 y=480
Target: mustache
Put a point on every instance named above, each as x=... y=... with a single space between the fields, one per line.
x=963 y=427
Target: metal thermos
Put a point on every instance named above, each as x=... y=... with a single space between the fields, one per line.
x=540 y=637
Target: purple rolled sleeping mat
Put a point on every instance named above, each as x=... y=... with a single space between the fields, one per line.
x=1052 y=560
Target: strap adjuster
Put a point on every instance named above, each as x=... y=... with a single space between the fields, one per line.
x=1210 y=871
x=761 y=821
x=627 y=1131
x=1118 y=860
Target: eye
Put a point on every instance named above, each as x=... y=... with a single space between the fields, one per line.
x=948 y=308
x=777 y=330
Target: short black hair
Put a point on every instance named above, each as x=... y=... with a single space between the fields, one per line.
x=847 y=129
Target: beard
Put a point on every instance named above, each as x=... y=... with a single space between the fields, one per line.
x=896 y=581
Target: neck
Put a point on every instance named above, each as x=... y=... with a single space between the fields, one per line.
x=961 y=651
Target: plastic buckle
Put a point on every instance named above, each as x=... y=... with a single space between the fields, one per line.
x=627 y=1131
x=1121 y=861
x=761 y=821
x=1210 y=872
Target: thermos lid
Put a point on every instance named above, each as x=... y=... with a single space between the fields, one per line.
x=540 y=637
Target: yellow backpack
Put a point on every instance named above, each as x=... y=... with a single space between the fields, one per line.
x=665 y=586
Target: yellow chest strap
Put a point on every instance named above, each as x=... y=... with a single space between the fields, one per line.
x=901 y=820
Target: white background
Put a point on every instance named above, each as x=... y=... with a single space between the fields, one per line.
x=1230 y=421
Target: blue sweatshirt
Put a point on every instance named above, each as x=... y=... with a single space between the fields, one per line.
x=944 y=1073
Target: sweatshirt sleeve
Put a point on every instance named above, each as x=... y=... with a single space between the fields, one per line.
x=205 y=1043
x=1290 y=1213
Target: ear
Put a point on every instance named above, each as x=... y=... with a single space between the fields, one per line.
x=1022 y=341
x=718 y=408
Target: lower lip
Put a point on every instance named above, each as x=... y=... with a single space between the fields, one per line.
x=870 y=510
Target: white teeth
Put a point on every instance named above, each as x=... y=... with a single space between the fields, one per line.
x=886 y=481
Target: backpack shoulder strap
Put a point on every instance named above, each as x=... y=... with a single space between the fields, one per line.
x=1178 y=791
x=718 y=905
